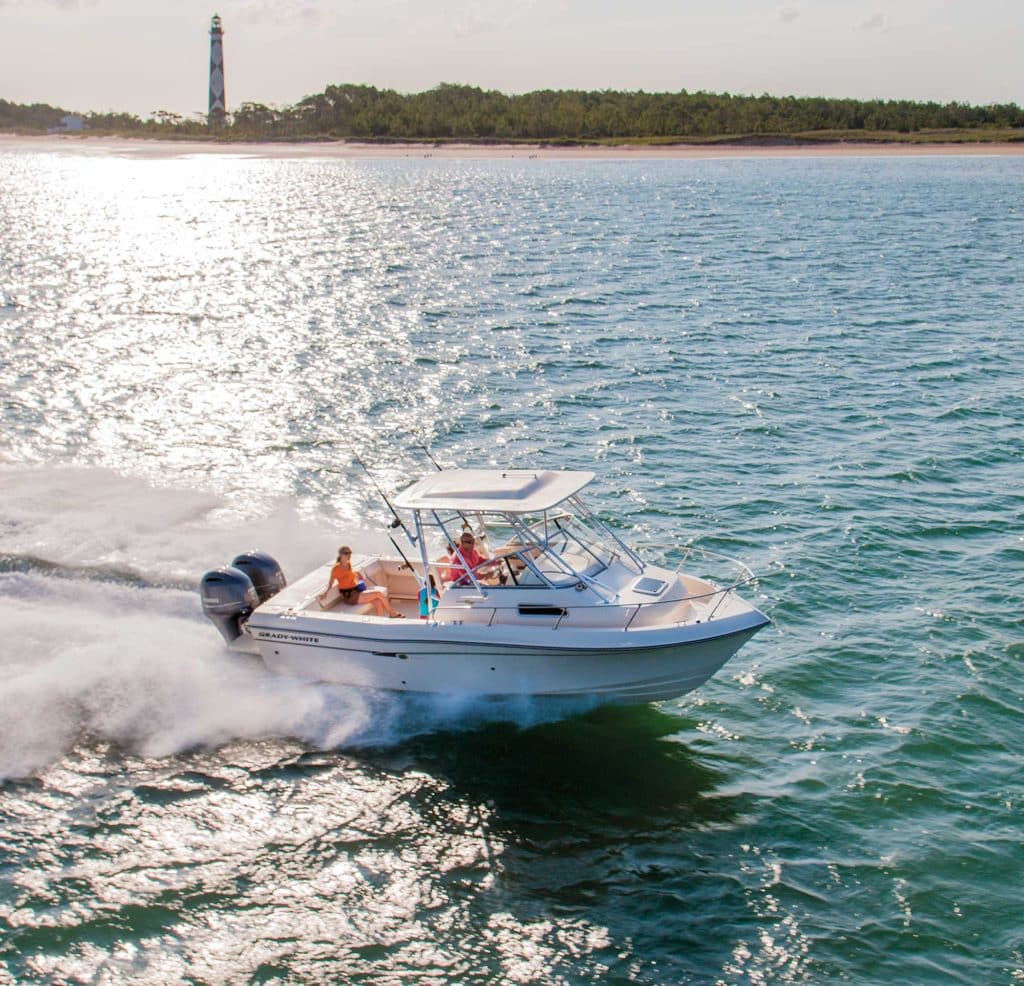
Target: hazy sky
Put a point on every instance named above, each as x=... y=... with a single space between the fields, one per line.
x=144 y=55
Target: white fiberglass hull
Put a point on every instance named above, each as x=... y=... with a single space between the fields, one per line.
x=610 y=665
x=557 y=605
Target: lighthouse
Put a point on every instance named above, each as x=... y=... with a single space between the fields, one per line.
x=217 y=114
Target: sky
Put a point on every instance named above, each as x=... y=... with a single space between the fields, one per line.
x=139 y=56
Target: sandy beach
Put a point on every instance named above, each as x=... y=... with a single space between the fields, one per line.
x=141 y=148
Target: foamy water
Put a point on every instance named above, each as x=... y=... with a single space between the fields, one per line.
x=107 y=641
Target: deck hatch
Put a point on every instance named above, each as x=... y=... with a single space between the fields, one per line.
x=649 y=586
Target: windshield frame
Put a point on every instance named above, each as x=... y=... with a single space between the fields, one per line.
x=531 y=540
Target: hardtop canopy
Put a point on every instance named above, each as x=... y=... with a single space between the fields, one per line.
x=519 y=491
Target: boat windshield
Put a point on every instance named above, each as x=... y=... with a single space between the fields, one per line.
x=555 y=549
x=562 y=547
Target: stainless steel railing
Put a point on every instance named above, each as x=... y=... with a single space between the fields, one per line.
x=704 y=605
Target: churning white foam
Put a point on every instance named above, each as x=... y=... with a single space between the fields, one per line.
x=100 y=639
x=94 y=518
x=140 y=667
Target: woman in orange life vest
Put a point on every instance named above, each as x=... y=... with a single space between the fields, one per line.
x=352 y=587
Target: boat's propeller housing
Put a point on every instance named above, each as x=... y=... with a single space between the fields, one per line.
x=263 y=571
x=231 y=593
x=228 y=598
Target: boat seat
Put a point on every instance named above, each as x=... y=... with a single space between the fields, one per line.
x=333 y=602
x=361 y=609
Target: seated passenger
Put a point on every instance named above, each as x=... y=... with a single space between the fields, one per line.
x=352 y=586
x=471 y=558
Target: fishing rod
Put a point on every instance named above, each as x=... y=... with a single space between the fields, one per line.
x=408 y=564
x=397 y=522
x=426 y=452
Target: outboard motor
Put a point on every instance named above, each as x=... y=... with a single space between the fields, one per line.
x=228 y=598
x=264 y=573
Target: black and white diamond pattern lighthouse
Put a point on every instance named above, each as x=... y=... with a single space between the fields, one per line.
x=217 y=114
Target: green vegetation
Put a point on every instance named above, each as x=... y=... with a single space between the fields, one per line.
x=455 y=112
x=39 y=118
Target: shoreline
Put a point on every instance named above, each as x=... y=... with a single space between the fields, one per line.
x=139 y=147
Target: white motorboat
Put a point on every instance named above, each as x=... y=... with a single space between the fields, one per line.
x=562 y=607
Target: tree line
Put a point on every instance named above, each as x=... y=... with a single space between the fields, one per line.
x=460 y=112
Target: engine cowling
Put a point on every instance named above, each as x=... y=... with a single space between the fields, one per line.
x=263 y=571
x=228 y=597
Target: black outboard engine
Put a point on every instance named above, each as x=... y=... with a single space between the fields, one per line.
x=228 y=598
x=264 y=573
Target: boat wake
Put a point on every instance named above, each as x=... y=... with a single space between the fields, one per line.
x=104 y=640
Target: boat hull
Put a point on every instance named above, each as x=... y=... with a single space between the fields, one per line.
x=623 y=667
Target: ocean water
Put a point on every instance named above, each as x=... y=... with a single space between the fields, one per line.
x=812 y=364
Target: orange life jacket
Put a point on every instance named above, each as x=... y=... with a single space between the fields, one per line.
x=344 y=580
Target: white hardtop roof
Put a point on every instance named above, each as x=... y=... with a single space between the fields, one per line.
x=493 y=490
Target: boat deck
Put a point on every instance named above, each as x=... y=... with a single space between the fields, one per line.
x=692 y=601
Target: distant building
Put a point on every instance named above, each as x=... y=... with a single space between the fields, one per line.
x=69 y=124
x=217 y=115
